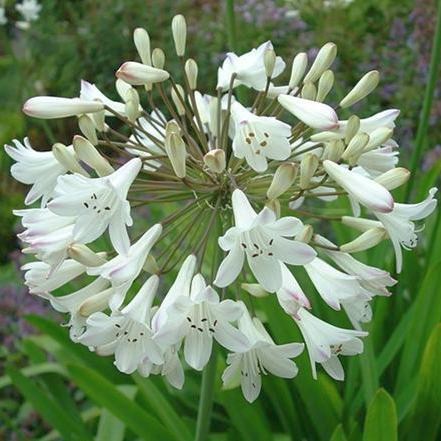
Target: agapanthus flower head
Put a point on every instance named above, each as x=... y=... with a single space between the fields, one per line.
x=240 y=186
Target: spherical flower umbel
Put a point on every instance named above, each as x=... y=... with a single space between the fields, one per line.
x=235 y=192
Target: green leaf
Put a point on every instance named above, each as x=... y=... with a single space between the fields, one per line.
x=162 y=408
x=105 y=394
x=339 y=434
x=425 y=420
x=32 y=371
x=50 y=410
x=111 y=428
x=381 y=419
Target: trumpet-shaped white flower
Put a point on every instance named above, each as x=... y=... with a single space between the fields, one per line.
x=400 y=227
x=123 y=269
x=249 y=69
x=126 y=333
x=263 y=240
x=75 y=303
x=259 y=137
x=41 y=278
x=262 y=356
x=197 y=316
x=364 y=190
x=47 y=234
x=171 y=369
x=98 y=204
x=326 y=342
x=89 y=92
x=316 y=115
x=39 y=169
x=385 y=118
x=335 y=287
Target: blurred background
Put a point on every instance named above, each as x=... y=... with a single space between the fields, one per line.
x=47 y=47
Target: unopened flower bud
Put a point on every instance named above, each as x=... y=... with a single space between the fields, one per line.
x=67 y=159
x=326 y=136
x=173 y=127
x=150 y=265
x=158 y=58
x=96 y=303
x=333 y=150
x=360 y=224
x=326 y=82
x=177 y=95
x=132 y=105
x=363 y=88
x=274 y=205
x=323 y=60
x=356 y=146
x=87 y=153
x=284 y=177
x=394 y=178
x=176 y=151
x=315 y=115
x=368 y=239
x=99 y=118
x=352 y=128
x=305 y=235
x=142 y=43
x=191 y=71
x=50 y=107
x=138 y=74
x=308 y=167
x=122 y=88
x=254 y=289
x=378 y=137
x=309 y=91
x=179 y=31
x=269 y=61
x=88 y=128
x=215 y=160
x=84 y=255
x=298 y=69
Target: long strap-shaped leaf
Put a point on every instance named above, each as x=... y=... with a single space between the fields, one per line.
x=105 y=394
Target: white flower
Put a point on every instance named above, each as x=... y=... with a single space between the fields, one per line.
x=379 y=161
x=47 y=234
x=335 y=287
x=40 y=278
x=249 y=69
x=89 y=92
x=197 y=316
x=315 y=115
x=138 y=74
x=262 y=356
x=39 y=169
x=326 y=342
x=171 y=369
x=262 y=239
x=259 y=137
x=126 y=333
x=29 y=9
x=399 y=226
x=364 y=190
x=50 y=107
x=73 y=304
x=123 y=269
x=98 y=204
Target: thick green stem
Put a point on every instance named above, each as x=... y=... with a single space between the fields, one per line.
x=427 y=104
x=231 y=25
x=206 y=399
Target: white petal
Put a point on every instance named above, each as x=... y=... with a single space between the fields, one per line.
x=267 y=271
x=230 y=267
x=197 y=349
x=244 y=213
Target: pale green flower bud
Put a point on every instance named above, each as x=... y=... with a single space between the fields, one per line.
x=178 y=98
x=179 y=31
x=158 y=58
x=298 y=69
x=360 y=224
x=325 y=136
x=254 y=289
x=274 y=204
x=150 y=265
x=394 y=178
x=284 y=177
x=269 y=61
x=308 y=167
x=142 y=42
x=309 y=91
x=352 y=128
x=84 y=255
x=356 y=146
x=67 y=159
x=305 y=234
x=96 y=303
x=87 y=153
x=363 y=88
x=325 y=84
x=132 y=105
x=176 y=151
x=99 y=118
x=88 y=128
x=333 y=150
x=323 y=60
x=191 y=71
x=215 y=160
x=378 y=137
x=368 y=239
